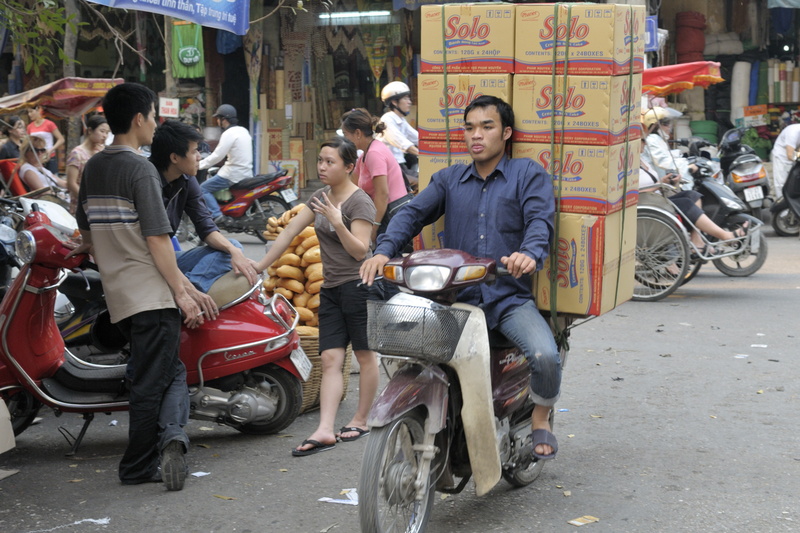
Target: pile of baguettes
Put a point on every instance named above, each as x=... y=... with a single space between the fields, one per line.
x=297 y=274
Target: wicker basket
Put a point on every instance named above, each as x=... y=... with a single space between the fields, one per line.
x=310 y=345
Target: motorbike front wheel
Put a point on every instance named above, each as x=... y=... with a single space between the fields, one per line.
x=745 y=263
x=288 y=395
x=387 y=494
x=271 y=206
x=23 y=408
x=785 y=223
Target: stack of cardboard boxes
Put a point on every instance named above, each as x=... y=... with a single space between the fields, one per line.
x=583 y=127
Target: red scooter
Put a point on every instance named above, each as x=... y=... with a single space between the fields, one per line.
x=244 y=369
x=255 y=200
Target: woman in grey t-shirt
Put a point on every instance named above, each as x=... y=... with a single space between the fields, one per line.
x=343 y=216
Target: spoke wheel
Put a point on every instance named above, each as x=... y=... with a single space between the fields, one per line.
x=23 y=408
x=387 y=493
x=286 y=391
x=745 y=263
x=694 y=268
x=662 y=257
x=271 y=206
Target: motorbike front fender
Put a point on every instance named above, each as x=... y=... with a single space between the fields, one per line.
x=413 y=386
x=779 y=206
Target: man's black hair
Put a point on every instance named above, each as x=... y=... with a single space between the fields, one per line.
x=505 y=111
x=122 y=103
x=171 y=137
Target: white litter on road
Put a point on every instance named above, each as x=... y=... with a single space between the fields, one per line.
x=99 y=521
x=201 y=474
x=352 y=498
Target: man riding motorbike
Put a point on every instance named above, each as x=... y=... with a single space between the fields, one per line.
x=235 y=143
x=175 y=155
x=500 y=208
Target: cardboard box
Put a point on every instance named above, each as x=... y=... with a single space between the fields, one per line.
x=474 y=38
x=438 y=115
x=458 y=147
x=600 y=38
x=592 y=177
x=597 y=110
x=588 y=267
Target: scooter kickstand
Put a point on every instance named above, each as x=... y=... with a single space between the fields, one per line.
x=87 y=419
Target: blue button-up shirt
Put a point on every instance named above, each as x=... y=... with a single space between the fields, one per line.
x=510 y=211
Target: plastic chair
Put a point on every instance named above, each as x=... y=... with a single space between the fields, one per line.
x=11 y=180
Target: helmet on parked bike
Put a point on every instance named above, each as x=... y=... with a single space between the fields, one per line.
x=226 y=111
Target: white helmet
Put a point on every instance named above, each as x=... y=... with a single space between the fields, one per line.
x=394 y=90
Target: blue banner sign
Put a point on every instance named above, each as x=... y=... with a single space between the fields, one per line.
x=651 y=34
x=230 y=15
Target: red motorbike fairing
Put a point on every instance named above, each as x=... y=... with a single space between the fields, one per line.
x=243 y=198
x=413 y=386
x=238 y=338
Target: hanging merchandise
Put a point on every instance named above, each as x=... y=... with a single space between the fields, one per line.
x=376 y=41
x=227 y=42
x=187 y=51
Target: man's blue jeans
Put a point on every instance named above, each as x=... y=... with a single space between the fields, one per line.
x=204 y=265
x=526 y=327
x=209 y=187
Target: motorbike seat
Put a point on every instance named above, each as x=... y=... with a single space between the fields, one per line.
x=499 y=341
x=228 y=288
x=257 y=181
x=74 y=286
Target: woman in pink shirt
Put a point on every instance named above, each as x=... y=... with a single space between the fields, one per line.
x=377 y=170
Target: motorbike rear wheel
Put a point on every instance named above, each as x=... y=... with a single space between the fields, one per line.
x=386 y=491
x=23 y=408
x=785 y=223
x=271 y=206
x=288 y=394
x=662 y=257
x=521 y=477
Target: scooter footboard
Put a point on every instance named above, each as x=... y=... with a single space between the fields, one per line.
x=413 y=386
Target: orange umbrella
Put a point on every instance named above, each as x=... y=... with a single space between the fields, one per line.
x=661 y=81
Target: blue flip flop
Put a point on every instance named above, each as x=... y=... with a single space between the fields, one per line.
x=542 y=436
x=361 y=433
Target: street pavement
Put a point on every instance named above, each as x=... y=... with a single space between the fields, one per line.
x=675 y=416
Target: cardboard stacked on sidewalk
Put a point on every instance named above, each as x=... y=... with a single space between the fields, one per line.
x=583 y=126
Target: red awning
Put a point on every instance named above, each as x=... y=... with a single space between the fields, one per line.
x=661 y=81
x=67 y=97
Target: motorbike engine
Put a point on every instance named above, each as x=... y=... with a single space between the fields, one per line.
x=503 y=439
x=244 y=406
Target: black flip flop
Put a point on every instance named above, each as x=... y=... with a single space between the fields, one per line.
x=542 y=436
x=317 y=447
x=361 y=433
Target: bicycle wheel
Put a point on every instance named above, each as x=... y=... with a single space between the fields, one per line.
x=662 y=257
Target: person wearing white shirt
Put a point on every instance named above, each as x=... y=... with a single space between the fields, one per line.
x=235 y=143
x=783 y=155
x=401 y=139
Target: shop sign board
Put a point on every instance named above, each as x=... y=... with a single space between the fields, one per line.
x=168 y=107
x=233 y=15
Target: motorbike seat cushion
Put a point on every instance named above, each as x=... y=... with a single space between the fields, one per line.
x=228 y=288
x=256 y=181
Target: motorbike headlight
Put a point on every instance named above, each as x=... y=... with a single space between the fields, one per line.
x=25 y=246
x=427 y=277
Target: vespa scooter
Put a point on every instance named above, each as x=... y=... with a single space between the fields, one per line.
x=244 y=369
x=457 y=407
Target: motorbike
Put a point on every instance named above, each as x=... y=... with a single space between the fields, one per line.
x=786 y=211
x=666 y=256
x=744 y=172
x=244 y=369
x=254 y=200
x=457 y=402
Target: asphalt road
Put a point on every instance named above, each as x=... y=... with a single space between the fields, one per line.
x=678 y=415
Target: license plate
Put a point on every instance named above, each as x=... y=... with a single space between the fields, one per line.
x=753 y=193
x=289 y=195
x=301 y=362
